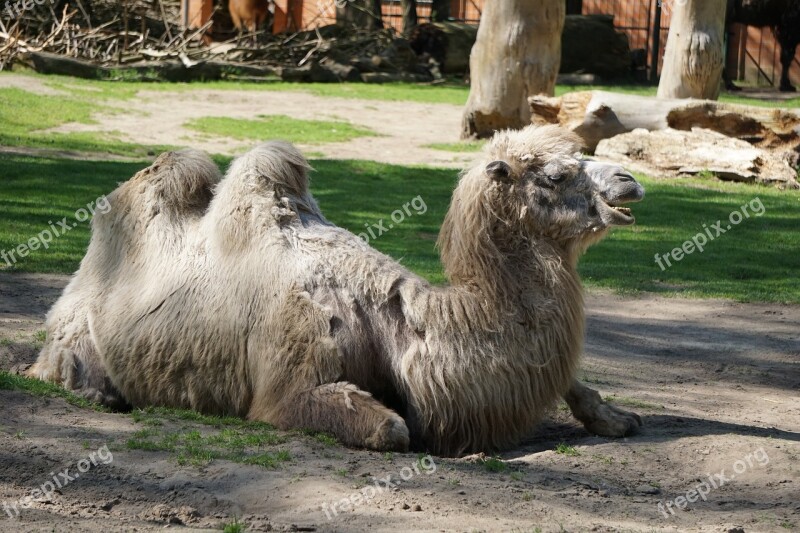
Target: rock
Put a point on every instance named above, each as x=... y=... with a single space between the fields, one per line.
x=406 y=507
x=417 y=507
x=671 y=152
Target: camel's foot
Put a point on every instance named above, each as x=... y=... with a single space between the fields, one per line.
x=600 y=417
x=352 y=415
x=788 y=88
x=392 y=434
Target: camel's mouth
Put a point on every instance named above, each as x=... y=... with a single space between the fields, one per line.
x=615 y=215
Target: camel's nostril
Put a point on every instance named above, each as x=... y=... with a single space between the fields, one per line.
x=625 y=177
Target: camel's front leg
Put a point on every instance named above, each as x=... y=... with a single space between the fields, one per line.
x=352 y=415
x=598 y=416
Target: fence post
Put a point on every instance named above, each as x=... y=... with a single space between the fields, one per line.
x=656 y=44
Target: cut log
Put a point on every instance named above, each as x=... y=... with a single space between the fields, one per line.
x=670 y=152
x=598 y=115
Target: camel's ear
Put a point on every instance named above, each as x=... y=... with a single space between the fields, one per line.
x=498 y=170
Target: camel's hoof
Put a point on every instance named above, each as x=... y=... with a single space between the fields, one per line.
x=391 y=435
x=788 y=89
x=611 y=421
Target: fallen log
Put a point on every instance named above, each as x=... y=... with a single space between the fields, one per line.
x=598 y=115
x=669 y=152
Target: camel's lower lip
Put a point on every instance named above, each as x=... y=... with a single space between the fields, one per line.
x=622 y=216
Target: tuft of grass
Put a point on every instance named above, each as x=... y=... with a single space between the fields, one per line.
x=234 y=527
x=566 y=449
x=279 y=127
x=460 y=147
x=494 y=464
x=323 y=438
x=44 y=389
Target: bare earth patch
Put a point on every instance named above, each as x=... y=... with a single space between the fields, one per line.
x=716 y=383
x=403 y=128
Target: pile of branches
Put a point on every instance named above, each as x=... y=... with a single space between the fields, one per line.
x=142 y=39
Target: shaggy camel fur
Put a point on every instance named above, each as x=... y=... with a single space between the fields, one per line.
x=238 y=297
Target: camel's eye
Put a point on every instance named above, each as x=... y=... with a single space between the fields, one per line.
x=557 y=178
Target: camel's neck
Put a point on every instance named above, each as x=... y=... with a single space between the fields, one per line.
x=519 y=276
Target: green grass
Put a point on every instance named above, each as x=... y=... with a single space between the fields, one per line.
x=228 y=438
x=453 y=92
x=44 y=389
x=566 y=449
x=494 y=464
x=460 y=147
x=279 y=127
x=25 y=117
x=756 y=261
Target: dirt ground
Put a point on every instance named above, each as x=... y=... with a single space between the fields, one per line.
x=717 y=384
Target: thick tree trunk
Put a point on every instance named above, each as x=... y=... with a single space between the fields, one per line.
x=364 y=14
x=694 y=57
x=440 y=10
x=516 y=55
x=409 y=15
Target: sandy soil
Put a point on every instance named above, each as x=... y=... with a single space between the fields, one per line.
x=716 y=383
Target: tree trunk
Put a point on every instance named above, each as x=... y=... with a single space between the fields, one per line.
x=409 y=15
x=363 y=14
x=516 y=55
x=440 y=10
x=694 y=57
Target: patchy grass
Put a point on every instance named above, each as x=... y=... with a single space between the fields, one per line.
x=566 y=449
x=27 y=116
x=227 y=438
x=44 y=389
x=460 y=147
x=279 y=127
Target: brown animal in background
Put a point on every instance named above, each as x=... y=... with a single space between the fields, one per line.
x=248 y=14
x=238 y=297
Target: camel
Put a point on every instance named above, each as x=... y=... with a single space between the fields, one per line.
x=248 y=15
x=236 y=296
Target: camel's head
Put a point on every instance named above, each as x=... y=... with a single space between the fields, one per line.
x=540 y=177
